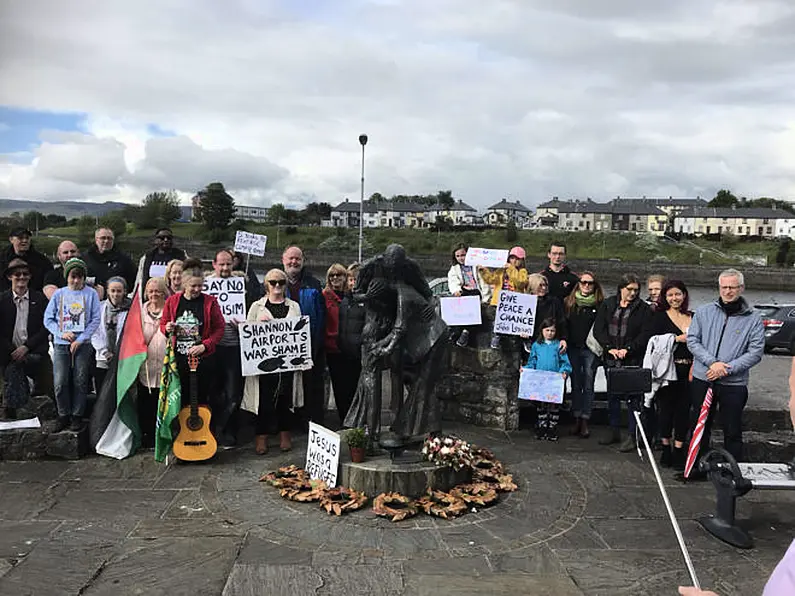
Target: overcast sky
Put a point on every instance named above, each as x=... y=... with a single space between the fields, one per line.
x=525 y=99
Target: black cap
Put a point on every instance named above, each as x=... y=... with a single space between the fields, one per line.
x=21 y=231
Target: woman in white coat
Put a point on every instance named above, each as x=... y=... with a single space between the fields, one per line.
x=272 y=396
x=463 y=280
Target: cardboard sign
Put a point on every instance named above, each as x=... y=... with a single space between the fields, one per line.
x=541 y=385
x=251 y=244
x=322 y=454
x=461 y=310
x=488 y=257
x=516 y=313
x=276 y=346
x=231 y=295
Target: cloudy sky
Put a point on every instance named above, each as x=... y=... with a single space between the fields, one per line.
x=109 y=99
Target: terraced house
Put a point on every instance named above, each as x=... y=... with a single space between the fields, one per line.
x=755 y=221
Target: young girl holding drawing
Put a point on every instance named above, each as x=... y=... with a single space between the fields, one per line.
x=545 y=355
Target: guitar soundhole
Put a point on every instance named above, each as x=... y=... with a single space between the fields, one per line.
x=195 y=424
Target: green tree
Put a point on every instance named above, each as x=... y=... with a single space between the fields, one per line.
x=116 y=221
x=86 y=224
x=159 y=209
x=782 y=255
x=511 y=233
x=724 y=198
x=445 y=199
x=216 y=207
x=277 y=214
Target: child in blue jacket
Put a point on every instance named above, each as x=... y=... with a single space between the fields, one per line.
x=545 y=355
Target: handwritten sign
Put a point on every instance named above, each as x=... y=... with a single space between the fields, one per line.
x=251 y=244
x=231 y=295
x=516 y=313
x=279 y=345
x=322 y=454
x=461 y=310
x=541 y=385
x=488 y=257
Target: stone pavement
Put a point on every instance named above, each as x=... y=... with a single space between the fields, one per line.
x=586 y=520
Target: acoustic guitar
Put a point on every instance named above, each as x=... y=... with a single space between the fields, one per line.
x=194 y=442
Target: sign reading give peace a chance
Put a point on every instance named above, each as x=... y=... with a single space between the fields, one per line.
x=276 y=346
x=516 y=313
x=231 y=295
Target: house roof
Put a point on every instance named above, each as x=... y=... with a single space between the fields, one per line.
x=553 y=204
x=587 y=206
x=458 y=206
x=509 y=206
x=729 y=213
x=666 y=201
x=353 y=207
x=634 y=207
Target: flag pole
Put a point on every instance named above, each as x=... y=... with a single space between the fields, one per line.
x=671 y=515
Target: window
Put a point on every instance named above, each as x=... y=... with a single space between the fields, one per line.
x=765 y=221
x=704 y=219
x=709 y=228
x=725 y=219
x=745 y=220
x=760 y=231
x=769 y=230
x=700 y=228
x=720 y=229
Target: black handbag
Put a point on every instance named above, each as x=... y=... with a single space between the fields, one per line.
x=628 y=380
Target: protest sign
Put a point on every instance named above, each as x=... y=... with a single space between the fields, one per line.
x=488 y=257
x=516 y=313
x=322 y=454
x=541 y=385
x=461 y=310
x=231 y=295
x=275 y=346
x=251 y=244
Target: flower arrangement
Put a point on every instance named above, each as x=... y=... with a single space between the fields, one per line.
x=447 y=451
x=356 y=437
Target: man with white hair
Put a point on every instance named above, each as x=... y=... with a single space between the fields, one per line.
x=104 y=260
x=726 y=338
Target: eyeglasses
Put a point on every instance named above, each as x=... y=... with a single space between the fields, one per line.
x=276 y=282
x=338 y=275
x=730 y=287
x=586 y=282
x=164 y=237
x=108 y=237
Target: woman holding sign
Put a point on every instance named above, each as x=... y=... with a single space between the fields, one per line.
x=464 y=280
x=271 y=396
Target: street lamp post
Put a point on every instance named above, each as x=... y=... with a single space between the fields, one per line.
x=362 y=142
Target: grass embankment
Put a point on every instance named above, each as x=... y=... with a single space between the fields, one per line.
x=581 y=245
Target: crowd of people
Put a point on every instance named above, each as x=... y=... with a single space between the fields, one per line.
x=81 y=304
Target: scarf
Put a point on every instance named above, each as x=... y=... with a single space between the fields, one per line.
x=112 y=318
x=581 y=300
x=617 y=328
x=731 y=308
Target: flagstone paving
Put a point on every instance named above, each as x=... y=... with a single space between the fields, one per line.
x=585 y=520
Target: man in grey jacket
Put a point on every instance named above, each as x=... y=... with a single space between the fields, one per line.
x=726 y=338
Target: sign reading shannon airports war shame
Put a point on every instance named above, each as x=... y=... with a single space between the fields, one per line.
x=231 y=295
x=516 y=313
x=322 y=454
x=276 y=346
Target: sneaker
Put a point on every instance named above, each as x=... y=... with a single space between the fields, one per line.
x=76 y=425
x=60 y=424
x=463 y=339
x=495 y=342
x=628 y=445
x=552 y=435
x=227 y=441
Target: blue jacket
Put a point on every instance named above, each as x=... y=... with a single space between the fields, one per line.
x=310 y=299
x=741 y=346
x=547 y=356
x=83 y=304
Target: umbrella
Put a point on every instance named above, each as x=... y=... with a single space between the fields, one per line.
x=698 y=432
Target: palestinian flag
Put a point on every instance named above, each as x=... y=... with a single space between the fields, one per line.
x=121 y=435
x=168 y=403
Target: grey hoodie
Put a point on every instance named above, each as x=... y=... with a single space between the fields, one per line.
x=741 y=346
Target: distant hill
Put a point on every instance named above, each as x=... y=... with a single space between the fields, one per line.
x=68 y=209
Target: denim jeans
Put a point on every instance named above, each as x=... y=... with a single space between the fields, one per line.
x=614 y=410
x=72 y=378
x=731 y=400
x=583 y=364
x=228 y=391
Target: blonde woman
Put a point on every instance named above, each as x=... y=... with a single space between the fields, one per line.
x=149 y=375
x=272 y=396
x=344 y=375
x=173 y=277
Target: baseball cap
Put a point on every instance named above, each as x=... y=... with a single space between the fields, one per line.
x=517 y=251
x=20 y=231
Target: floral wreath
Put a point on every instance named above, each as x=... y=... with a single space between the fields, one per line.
x=302 y=491
x=447 y=451
x=342 y=500
x=500 y=482
x=394 y=506
x=478 y=493
x=441 y=504
x=283 y=474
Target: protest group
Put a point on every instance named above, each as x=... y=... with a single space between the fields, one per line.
x=153 y=337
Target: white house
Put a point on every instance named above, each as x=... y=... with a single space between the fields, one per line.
x=755 y=221
x=501 y=213
x=459 y=214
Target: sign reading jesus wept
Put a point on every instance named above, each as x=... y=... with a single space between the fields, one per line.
x=231 y=295
x=516 y=313
x=493 y=258
x=541 y=385
x=276 y=346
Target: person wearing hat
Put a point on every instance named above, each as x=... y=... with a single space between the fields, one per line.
x=513 y=277
x=72 y=317
x=23 y=337
x=20 y=247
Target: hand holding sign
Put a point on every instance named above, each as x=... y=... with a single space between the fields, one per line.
x=461 y=311
x=276 y=346
x=251 y=244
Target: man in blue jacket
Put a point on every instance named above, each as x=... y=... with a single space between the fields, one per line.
x=304 y=288
x=726 y=338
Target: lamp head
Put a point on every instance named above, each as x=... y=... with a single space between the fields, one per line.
x=362 y=140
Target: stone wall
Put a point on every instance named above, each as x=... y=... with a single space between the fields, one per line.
x=481 y=384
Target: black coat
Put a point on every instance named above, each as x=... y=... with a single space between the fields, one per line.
x=640 y=328
x=561 y=283
x=39 y=266
x=38 y=336
x=550 y=307
x=580 y=321
x=351 y=324
x=109 y=264
x=154 y=256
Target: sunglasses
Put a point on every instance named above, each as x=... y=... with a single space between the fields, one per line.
x=586 y=282
x=276 y=282
x=338 y=275
x=21 y=274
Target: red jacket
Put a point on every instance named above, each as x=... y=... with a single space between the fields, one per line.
x=332 y=321
x=211 y=333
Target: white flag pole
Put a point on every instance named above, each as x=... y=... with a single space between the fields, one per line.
x=672 y=517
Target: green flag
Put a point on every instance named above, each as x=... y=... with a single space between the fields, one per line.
x=168 y=403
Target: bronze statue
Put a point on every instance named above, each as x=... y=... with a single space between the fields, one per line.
x=405 y=334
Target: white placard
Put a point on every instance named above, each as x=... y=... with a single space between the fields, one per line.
x=19 y=424
x=461 y=310
x=541 y=385
x=516 y=313
x=251 y=244
x=276 y=346
x=231 y=295
x=322 y=454
x=488 y=257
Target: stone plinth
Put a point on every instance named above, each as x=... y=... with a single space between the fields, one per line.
x=379 y=475
x=481 y=384
x=22 y=444
x=68 y=444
